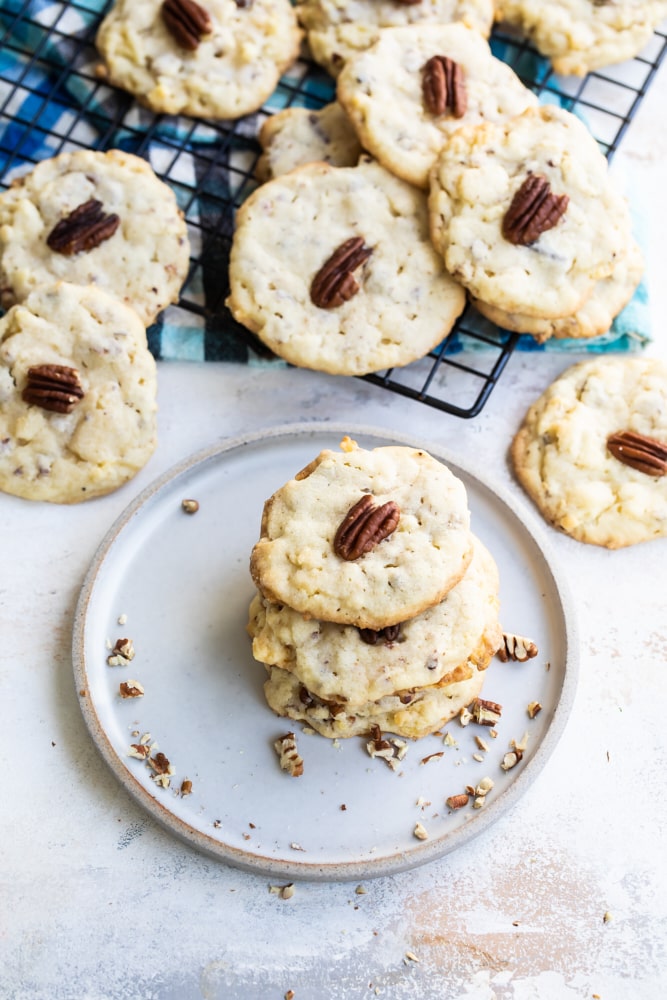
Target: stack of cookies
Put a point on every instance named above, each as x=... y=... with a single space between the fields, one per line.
x=376 y=605
x=92 y=247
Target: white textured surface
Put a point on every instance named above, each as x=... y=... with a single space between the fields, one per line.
x=96 y=902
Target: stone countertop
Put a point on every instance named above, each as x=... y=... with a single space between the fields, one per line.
x=564 y=897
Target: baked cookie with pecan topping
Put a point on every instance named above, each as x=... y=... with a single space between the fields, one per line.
x=93 y=218
x=339 y=29
x=525 y=214
x=296 y=136
x=77 y=395
x=592 y=451
x=364 y=537
x=415 y=86
x=582 y=35
x=214 y=59
x=333 y=268
x=344 y=665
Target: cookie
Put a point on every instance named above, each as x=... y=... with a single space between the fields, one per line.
x=579 y=35
x=77 y=395
x=296 y=136
x=404 y=113
x=606 y=492
x=341 y=664
x=411 y=714
x=310 y=554
x=338 y=29
x=525 y=214
x=92 y=218
x=222 y=62
x=608 y=298
x=334 y=270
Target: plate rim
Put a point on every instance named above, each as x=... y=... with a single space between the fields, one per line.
x=424 y=851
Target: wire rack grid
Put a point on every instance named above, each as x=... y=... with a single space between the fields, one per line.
x=52 y=100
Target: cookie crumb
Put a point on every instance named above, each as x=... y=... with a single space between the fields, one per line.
x=420 y=832
x=190 y=506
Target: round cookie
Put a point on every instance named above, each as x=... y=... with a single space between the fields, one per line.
x=562 y=459
x=338 y=29
x=411 y=716
x=383 y=91
x=579 y=35
x=230 y=72
x=296 y=136
x=143 y=262
x=100 y=427
x=439 y=646
x=481 y=174
x=297 y=560
x=608 y=298
x=289 y=230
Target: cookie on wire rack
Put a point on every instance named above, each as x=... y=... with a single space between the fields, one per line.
x=215 y=59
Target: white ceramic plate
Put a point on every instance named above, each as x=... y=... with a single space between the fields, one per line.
x=182 y=581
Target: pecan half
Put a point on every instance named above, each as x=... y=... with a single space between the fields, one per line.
x=364 y=526
x=443 y=87
x=335 y=282
x=186 y=21
x=83 y=229
x=387 y=635
x=639 y=452
x=53 y=387
x=534 y=210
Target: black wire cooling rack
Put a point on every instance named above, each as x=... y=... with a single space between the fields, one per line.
x=52 y=100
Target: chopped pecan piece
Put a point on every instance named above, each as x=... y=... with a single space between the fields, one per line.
x=186 y=21
x=387 y=635
x=443 y=87
x=53 y=387
x=288 y=755
x=485 y=713
x=83 y=229
x=364 y=526
x=457 y=801
x=335 y=282
x=130 y=689
x=516 y=647
x=534 y=210
x=639 y=452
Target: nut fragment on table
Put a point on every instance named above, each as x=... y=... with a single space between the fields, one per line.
x=121 y=653
x=190 y=506
x=484 y=712
x=420 y=832
x=130 y=689
x=457 y=801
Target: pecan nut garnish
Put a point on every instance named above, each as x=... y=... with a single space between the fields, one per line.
x=186 y=21
x=534 y=210
x=364 y=526
x=443 y=87
x=335 y=282
x=83 y=229
x=639 y=452
x=53 y=387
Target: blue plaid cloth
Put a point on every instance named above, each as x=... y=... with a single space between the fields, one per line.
x=51 y=99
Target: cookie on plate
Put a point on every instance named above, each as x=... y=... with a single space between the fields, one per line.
x=77 y=395
x=525 y=213
x=334 y=270
x=415 y=86
x=338 y=29
x=579 y=35
x=93 y=218
x=606 y=301
x=592 y=451
x=343 y=664
x=296 y=136
x=364 y=537
x=409 y=714
x=218 y=59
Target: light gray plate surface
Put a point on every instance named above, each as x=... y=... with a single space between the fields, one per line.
x=182 y=581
